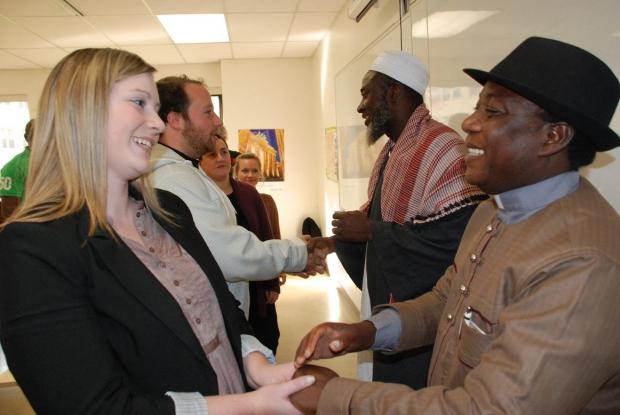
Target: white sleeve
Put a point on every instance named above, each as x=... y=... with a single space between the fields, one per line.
x=189 y=403
x=238 y=252
x=251 y=344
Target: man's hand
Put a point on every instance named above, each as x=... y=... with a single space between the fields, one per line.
x=321 y=246
x=351 y=226
x=334 y=339
x=307 y=399
x=318 y=249
x=271 y=296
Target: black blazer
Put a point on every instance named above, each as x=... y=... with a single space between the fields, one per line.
x=87 y=329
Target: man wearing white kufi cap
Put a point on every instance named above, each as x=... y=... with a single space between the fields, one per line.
x=404 y=237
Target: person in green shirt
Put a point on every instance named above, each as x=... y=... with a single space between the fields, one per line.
x=13 y=176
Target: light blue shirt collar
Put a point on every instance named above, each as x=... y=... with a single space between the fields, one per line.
x=516 y=205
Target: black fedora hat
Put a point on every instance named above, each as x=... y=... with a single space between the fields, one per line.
x=568 y=82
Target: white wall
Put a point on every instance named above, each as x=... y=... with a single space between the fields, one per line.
x=278 y=93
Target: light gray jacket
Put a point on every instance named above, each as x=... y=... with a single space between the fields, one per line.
x=241 y=256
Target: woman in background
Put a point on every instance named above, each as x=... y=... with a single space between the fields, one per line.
x=247 y=169
x=108 y=303
x=251 y=214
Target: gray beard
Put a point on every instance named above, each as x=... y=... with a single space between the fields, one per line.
x=378 y=124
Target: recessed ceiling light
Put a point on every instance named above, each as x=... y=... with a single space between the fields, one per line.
x=450 y=23
x=195 y=28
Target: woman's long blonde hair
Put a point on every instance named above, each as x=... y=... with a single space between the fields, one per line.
x=68 y=161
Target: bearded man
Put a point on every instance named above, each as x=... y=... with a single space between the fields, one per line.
x=405 y=236
x=191 y=123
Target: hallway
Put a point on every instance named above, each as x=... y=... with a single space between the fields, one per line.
x=303 y=304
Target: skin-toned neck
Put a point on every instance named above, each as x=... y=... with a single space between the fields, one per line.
x=119 y=209
x=224 y=184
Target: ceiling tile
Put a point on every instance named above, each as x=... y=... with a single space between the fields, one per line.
x=46 y=58
x=110 y=7
x=202 y=53
x=12 y=35
x=71 y=31
x=262 y=6
x=185 y=6
x=157 y=54
x=244 y=28
x=131 y=30
x=320 y=5
x=9 y=61
x=248 y=50
x=299 y=49
x=310 y=26
x=21 y=8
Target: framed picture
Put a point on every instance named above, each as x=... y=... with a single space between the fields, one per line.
x=268 y=145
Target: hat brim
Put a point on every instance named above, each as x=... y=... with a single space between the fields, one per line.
x=600 y=135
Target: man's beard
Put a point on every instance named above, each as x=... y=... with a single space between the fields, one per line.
x=199 y=141
x=378 y=122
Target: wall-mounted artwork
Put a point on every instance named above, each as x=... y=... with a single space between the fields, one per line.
x=268 y=145
x=358 y=157
x=331 y=153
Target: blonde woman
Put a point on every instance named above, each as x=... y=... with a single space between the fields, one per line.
x=108 y=304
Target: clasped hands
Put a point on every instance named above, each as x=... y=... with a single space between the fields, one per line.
x=325 y=341
x=348 y=226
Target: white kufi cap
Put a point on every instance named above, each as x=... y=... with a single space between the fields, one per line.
x=403 y=67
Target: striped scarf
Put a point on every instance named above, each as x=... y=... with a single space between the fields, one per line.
x=424 y=178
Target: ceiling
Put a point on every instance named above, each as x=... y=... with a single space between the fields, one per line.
x=36 y=34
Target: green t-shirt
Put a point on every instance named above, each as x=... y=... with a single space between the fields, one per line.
x=13 y=175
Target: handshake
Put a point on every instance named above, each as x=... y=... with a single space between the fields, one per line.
x=326 y=340
x=349 y=226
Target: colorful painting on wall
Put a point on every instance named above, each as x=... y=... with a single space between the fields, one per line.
x=268 y=145
x=331 y=156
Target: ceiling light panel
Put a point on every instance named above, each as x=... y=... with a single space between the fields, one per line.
x=195 y=28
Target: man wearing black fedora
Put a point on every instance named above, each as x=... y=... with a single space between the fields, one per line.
x=526 y=319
